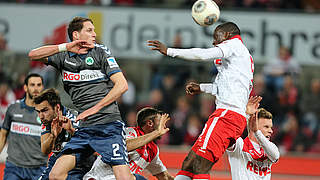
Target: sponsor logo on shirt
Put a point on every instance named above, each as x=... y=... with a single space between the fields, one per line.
x=259 y=170
x=25 y=129
x=112 y=62
x=18 y=115
x=82 y=76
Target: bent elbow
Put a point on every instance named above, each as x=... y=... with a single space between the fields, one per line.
x=32 y=55
x=125 y=87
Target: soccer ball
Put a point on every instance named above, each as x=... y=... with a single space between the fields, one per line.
x=205 y=12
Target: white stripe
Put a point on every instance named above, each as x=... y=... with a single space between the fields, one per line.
x=215 y=120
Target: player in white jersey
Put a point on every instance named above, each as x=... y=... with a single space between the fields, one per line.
x=143 y=152
x=232 y=87
x=251 y=158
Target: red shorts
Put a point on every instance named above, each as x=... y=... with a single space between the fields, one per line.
x=222 y=127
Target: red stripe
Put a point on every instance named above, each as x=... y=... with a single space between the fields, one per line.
x=185 y=173
x=201 y=176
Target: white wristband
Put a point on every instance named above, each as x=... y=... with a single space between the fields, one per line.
x=62 y=47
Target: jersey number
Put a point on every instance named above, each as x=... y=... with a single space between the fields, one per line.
x=115 y=148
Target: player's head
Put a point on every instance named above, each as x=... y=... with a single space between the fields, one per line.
x=47 y=104
x=265 y=122
x=225 y=31
x=33 y=85
x=146 y=115
x=81 y=28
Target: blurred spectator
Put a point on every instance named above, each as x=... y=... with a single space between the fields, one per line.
x=193 y=130
x=268 y=98
x=6 y=97
x=291 y=137
x=281 y=66
x=288 y=97
x=75 y=2
x=3 y=43
x=169 y=91
x=18 y=89
x=131 y=118
x=311 y=5
x=311 y=107
x=179 y=120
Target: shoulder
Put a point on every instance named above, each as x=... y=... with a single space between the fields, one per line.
x=131 y=132
x=102 y=48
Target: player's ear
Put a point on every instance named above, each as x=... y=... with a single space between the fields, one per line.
x=75 y=35
x=25 y=88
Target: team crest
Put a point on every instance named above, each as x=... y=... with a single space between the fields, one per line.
x=89 y=61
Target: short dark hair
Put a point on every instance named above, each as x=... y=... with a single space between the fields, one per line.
x=230 y=27
x=146 y=113
x=50 y=95
x=26 y=80
x=262 y=113
x=76 y=25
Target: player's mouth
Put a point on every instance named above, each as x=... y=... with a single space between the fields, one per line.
x=268 y=137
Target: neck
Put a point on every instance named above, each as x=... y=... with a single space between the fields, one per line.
x=29 y=101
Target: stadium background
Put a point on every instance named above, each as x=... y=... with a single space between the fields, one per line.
x=125 y=25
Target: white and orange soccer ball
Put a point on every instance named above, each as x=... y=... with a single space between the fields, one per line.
x=205 y=12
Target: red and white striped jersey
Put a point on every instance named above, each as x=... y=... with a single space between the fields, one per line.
x=146 y=157
x=249 y=161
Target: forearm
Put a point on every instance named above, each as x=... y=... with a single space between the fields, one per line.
x=43 y=52
x=210 y=88
x=47 y=143
x=118 y=89
x=196 y=53
x=3 y=138
x=164 y=176
x=269 y=148
x=135 y=143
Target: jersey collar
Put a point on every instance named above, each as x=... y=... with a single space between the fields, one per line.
x=82 y=56
x=236 y=37
x=24 y=105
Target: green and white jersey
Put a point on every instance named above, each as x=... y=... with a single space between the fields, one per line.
x=24 y=142
x=86 y=79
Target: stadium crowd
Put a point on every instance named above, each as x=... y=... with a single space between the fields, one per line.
x=268 y=5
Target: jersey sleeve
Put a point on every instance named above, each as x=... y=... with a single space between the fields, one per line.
x=226 y=49
x=236 y=149
x=56 y=60
x=7 y=119
x=196 y=54
x=156 y=166
x=130 y=133
x=109 y=63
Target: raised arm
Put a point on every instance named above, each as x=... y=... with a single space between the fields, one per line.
x=135 y=143
x=203 y=54
x=42 y=53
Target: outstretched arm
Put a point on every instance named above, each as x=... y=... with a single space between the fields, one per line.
x=135 y=143
x=42 y=53
x=3 y=138
x=207 y=54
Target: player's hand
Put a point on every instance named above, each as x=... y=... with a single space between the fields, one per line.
x=85 y=114
x=193 y=88
x=253 y=104
x=162 y=128
x=157 y=45
x=79 y=46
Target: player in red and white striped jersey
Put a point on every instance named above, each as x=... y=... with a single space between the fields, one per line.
x=232 y=87
x=251 y=158
x=143 y=152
